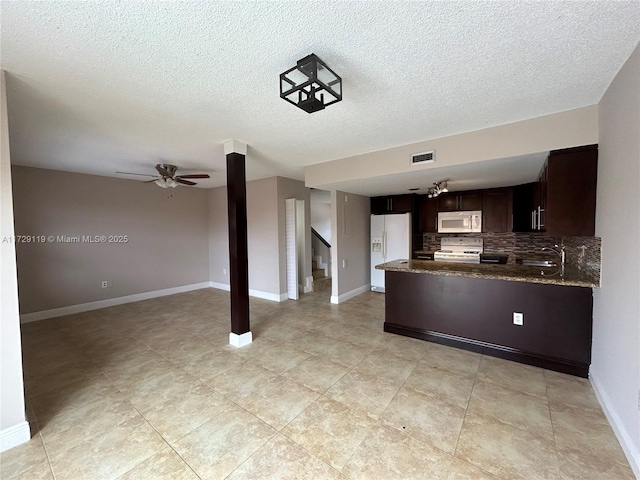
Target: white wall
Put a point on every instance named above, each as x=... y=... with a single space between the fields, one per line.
x=615 y=368
x=166 y=231
x=350 y=223
x=14 y=428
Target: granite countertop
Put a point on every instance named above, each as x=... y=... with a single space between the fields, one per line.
x=510 y=272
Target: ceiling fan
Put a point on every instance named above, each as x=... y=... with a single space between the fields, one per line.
x=167 y=177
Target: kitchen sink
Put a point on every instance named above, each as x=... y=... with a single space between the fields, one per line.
x=537 y=263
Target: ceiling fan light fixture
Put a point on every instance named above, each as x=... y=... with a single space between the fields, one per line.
x=166 y=182
x=311 y=85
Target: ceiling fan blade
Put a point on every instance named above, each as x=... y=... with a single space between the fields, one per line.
x=184 y=182
x=162 y=171
x=150 y=181
x=139 y=174
x=198 y=175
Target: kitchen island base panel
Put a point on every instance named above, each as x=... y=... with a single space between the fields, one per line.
x=499 y=351
x=476 y=313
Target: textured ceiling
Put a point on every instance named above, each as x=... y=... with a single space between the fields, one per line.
x=102 y=86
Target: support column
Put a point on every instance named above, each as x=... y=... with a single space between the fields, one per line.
x=238 y=265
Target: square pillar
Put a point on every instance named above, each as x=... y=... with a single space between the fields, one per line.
x=238 y=264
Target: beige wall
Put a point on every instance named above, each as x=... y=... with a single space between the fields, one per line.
x=350 y=223
x=615 y=367
x=12 y=413
x=265 y=235
x=218 y=236
x=560 y=130
x=262 y=236
x=167 y=232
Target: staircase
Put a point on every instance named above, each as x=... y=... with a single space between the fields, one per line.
x=320 y=281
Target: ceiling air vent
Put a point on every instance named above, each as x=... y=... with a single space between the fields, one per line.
x=424 y=157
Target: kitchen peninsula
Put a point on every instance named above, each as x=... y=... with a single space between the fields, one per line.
x=473 y=306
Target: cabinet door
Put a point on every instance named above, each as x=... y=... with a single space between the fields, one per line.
x=470 y=201
x=428 y=215
x=379 y=205
x=523 y=206
x=447 y=202
x=496 y=211
x=401 y=204
x=571 y=191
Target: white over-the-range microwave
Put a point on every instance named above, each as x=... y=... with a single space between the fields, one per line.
x=460 y=222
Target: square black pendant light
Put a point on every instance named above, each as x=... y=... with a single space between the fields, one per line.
x=310 y=85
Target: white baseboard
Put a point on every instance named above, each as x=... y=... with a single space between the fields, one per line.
x=110 y=302
x=13 y=436
x=308 y=286
x=631 y=452
x=274 y=297
x=353 y=293
x=220 y=286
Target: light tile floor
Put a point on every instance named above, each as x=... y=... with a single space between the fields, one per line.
x=152 y=390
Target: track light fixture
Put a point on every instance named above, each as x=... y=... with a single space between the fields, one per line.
x=438 y=187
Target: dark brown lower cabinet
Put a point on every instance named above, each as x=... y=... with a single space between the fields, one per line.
x=477 y=314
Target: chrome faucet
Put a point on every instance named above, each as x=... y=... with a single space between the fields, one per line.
x=559 y=250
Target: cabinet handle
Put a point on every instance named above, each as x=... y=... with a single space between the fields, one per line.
x=533 y=219
x=540 y=224
x=391 y=204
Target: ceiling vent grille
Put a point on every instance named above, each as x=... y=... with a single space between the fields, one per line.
x=424 y=157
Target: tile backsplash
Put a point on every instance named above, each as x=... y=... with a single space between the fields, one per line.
x=581 y=252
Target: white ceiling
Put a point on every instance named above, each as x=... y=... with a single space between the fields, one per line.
x=102 y=86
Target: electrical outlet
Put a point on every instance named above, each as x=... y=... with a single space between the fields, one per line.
x=344 y=263
x=518 y=318
x=224 y=271
x=104 y=284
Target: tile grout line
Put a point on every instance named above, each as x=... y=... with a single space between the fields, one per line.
x=163 y=439
x=553 y=427
x=466 y=410
x=377 y=420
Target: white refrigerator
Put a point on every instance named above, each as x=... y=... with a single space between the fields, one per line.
x=390 y=240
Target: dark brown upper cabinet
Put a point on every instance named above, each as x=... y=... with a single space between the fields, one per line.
x=567 y=192
x=392 y=204
x=563 y=200
x=428 y=214
x=496 y=210
x=452 y=202
x=524 y=204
